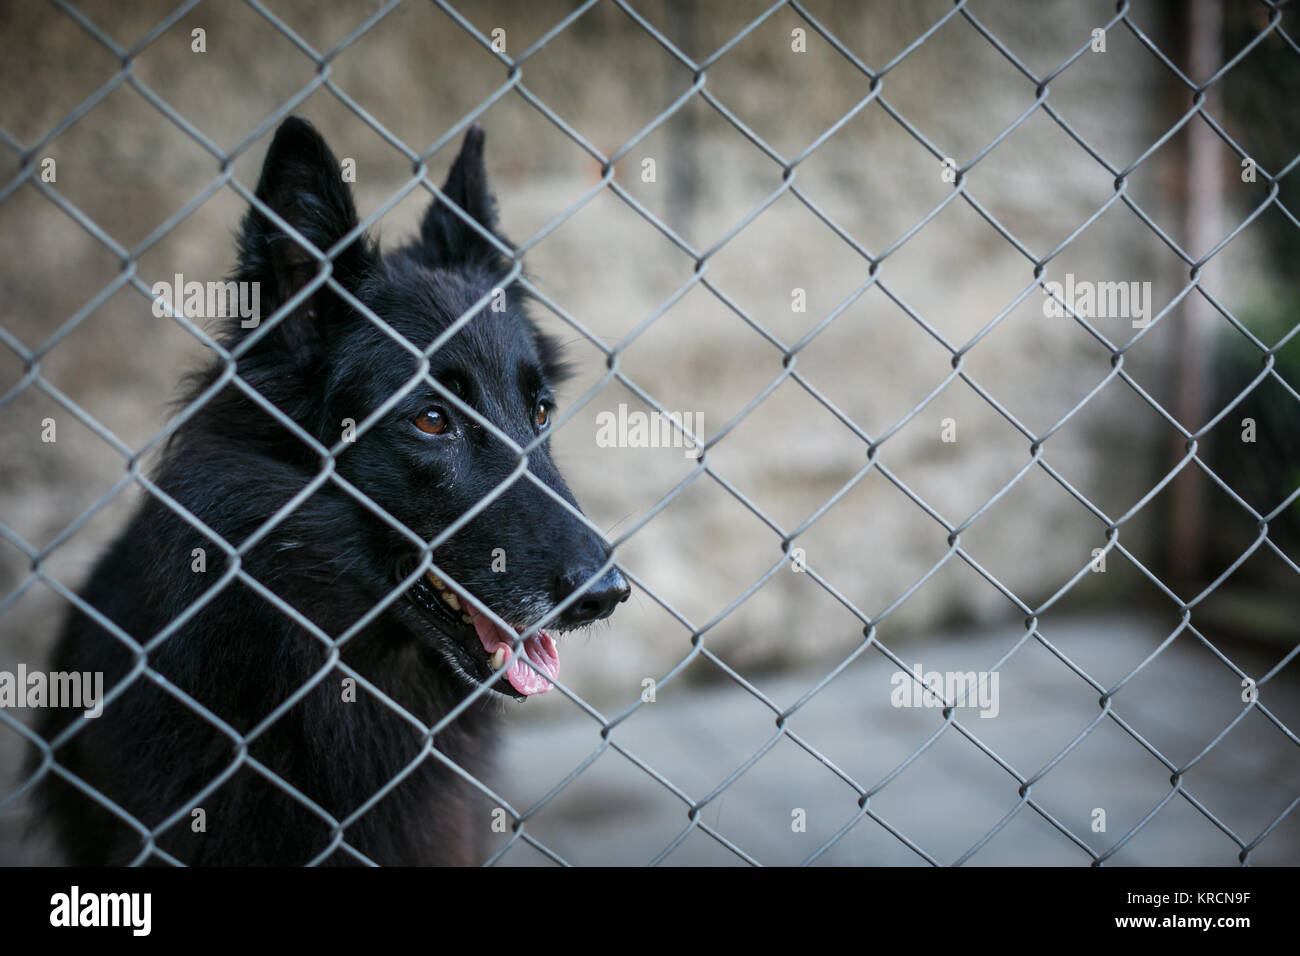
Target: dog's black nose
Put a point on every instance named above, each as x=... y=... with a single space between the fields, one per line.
x=597 y=602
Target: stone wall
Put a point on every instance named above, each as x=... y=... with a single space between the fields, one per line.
x=416 y=72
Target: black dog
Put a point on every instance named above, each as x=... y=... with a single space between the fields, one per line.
x=351 y=548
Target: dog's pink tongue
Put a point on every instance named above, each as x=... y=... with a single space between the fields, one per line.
x=539 y=648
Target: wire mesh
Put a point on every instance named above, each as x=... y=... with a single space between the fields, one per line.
x=784 y=169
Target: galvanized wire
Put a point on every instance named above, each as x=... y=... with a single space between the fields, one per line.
x=785 y=174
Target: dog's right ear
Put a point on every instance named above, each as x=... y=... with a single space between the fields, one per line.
x=302 y=183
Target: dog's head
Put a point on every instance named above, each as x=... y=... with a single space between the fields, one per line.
x=441 y=453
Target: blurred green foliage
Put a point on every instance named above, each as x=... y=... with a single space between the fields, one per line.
x=1262 y=114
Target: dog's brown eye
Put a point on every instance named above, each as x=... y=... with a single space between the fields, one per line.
x=543 y=415
x=432 y=421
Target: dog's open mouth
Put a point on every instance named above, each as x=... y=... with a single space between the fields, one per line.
x=483 y=648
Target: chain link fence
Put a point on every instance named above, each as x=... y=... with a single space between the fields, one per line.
x=1186 y=419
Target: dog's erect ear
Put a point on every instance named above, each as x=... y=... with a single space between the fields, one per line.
x=446 y=238
x=302 y=183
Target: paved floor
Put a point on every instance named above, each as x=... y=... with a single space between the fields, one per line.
x=953 y=794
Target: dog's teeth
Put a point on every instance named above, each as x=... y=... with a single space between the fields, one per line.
x=437 y=582
x=452 y=600
x=467 y=619
x=498 y=658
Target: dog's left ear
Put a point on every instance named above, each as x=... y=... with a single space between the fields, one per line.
x=446 y=238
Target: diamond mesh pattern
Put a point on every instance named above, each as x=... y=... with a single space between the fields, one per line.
x=786 y=167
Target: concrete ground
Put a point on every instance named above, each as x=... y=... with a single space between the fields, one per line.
x=946 y=801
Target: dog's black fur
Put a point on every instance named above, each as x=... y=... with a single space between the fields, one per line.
x=233 y=466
